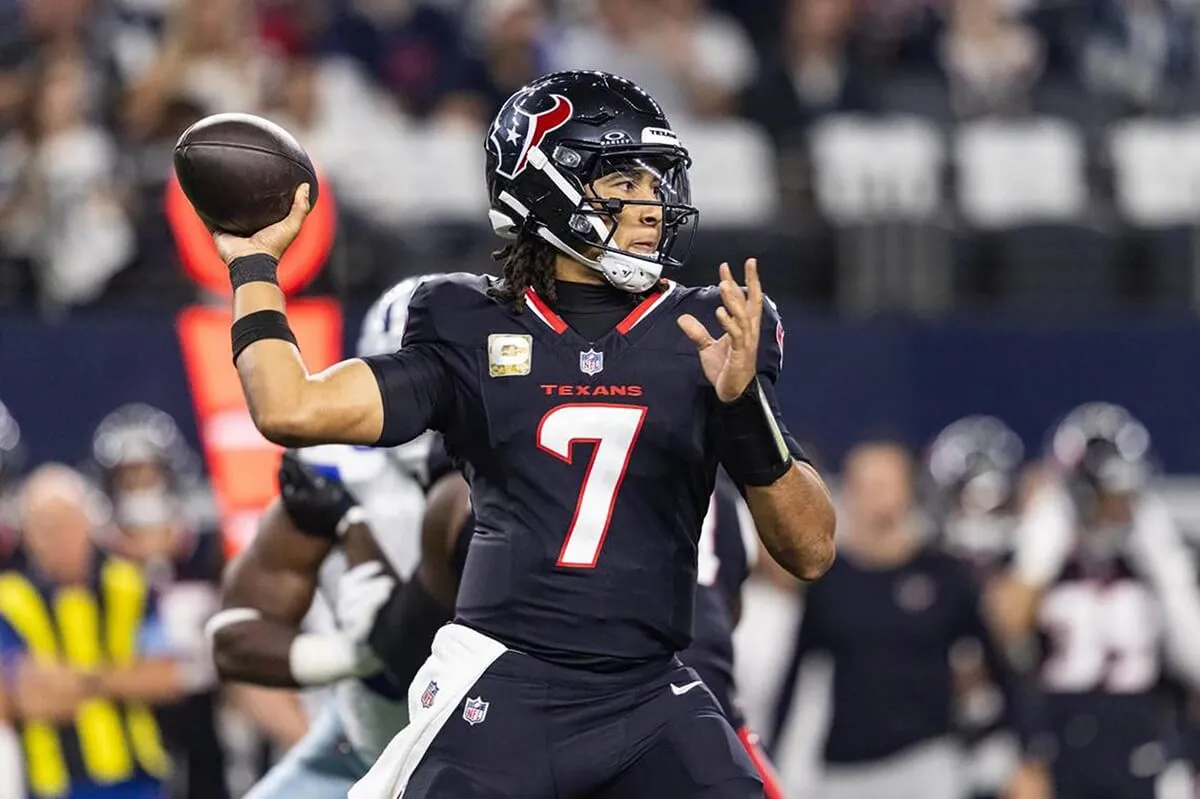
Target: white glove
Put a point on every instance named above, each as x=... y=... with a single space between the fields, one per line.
x=322 y=658
x=361 y=592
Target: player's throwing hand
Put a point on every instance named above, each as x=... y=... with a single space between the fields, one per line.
x=731 y=361
x=272 y=240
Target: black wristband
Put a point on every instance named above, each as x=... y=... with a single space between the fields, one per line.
x=751 y=445
x=257 y=326
x=259 y=267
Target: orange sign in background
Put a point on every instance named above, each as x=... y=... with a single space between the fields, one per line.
x=303 y=261
x=241 y=463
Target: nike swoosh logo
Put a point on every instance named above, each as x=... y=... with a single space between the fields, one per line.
x=680 y=690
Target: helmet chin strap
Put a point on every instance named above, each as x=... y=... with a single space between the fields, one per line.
x=625 y=272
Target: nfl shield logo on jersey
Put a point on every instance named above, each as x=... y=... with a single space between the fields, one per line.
x=429 y=694
x=475 y=710
x=591 y=362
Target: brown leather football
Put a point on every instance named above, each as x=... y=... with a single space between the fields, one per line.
x=240 y=172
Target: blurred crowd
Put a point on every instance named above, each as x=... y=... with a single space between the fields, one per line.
x=94 y=93
x=987 y=601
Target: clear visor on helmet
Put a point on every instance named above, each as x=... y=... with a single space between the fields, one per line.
x=620 y=183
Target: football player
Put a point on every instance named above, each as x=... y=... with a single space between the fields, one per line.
x=590 y=406
x=146 y=469
x=728 y=548
x=973 y=468
x=316 y=541
x=1103 y=581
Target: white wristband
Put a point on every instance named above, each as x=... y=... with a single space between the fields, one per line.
x=229 y=617
x=319 y=659
x=356 y=515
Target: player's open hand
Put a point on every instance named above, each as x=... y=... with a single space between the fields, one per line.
x=731 y=361
x=272 y=240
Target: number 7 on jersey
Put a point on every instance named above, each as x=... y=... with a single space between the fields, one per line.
x=613 y=429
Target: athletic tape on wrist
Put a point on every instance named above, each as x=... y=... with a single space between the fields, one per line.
x=753 y=449
x=322 y=658
x=258 y=326
x=355 y=515
x=256 y=268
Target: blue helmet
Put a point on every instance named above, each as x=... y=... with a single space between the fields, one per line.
x=553 y=138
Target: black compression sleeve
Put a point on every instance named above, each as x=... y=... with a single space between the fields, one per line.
x=417 y=390
x=402 y=635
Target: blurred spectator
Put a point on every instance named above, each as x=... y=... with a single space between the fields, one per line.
x=510 y=45
x=145 y=469
x=991 y=60
x=63 y=211
x=1139 y=54
x=817 y=74
x=46 y=30
x=210 y=56
x=693 y=61
x=891 y=599
x=412 y=48
x=83 y=652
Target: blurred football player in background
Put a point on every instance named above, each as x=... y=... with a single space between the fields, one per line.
x=973 y=469
x=147 y=471
x=1103 y=583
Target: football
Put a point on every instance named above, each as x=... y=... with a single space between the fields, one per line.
x=240 y=172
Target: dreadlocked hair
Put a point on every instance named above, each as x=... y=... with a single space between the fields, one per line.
x=527 y=263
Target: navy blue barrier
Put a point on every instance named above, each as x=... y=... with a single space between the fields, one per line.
x=843 y=380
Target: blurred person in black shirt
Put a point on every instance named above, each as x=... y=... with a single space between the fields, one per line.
x=889 y=614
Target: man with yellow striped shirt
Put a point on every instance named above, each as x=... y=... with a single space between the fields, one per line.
x=82 y=655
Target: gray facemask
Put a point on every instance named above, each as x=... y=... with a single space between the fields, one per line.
x=145 y=508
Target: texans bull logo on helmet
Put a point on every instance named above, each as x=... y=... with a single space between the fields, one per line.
x=529 y=128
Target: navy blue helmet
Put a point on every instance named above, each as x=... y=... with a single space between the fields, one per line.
x=1102 y=449
x=974 y=465
x=554 y=138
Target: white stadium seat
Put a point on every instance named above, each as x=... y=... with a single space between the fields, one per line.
x=1019 y=172
x=733 y=174
x=1156 y=171
x=870 y=169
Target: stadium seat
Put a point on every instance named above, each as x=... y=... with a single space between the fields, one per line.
x=1156 y=179
x=879 y=180
x=431 y=174
x=733 y=175
x=1023 y=193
